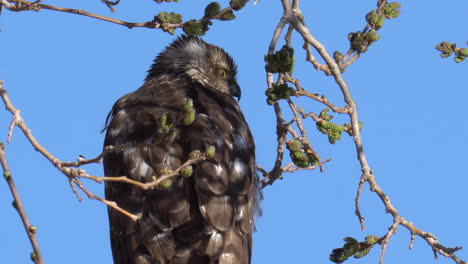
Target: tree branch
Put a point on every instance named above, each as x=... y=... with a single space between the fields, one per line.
x=293 y=17
x=36 y=255
x=23 y=5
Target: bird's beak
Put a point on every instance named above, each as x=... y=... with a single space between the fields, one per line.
x=235 y=89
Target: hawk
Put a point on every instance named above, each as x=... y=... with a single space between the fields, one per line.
x=206 y=218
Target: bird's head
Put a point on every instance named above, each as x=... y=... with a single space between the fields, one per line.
x=201 y=62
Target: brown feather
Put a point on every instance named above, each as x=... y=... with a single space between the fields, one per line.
x=208 y=217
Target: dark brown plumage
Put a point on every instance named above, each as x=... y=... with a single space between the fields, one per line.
x=208 y=217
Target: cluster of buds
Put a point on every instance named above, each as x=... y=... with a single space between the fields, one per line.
x=166 y=19
x=280 y=61
x=333 y=131
x=186 y=171
x=376 y=18
x=298 y=155
x=360 y=41
x=447 y=49
x=277 y=92
x=353 y=248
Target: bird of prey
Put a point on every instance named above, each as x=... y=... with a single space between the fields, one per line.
x=206 y=218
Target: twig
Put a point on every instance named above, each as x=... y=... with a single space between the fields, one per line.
x=356 y=202
x=24 y=5
x=384 y=243
x=36 y=256
x=109 y=203
x=380 y=4
x=310 y=58
x=322 y=99
x=291 y=169
x=111 y=4
x=413 y=237
x=281 y=130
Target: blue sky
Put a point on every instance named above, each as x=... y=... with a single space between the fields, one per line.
x=64 y=72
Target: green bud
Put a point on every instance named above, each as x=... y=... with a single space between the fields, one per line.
x=171 y=135
x=359 y=41
x=459 y=59
x=375 y=19
x=372 y=36
x=33 y=257
x=165 y=171
x=463 y=52
x=371 y=240
x=391 y=10
x=350 y=249
x=189 y=117
x=210 y=152
x=186 y=172
x=324 y=115
x=193 y=27
x=313 y=160
x=281 y=61
x=6 y=175
x=294 y=145
x=165 y=184
x=188 y=104
x=227 y=16
x=32 y=229
x=362 y=252
x=299 y=159
x=338 y=256
x=332 y=130
x=338 y=56
x=162 y=120
x=166 y=19
x=188 y=112
x=237 y=4
x=153 y=178
x=281 y=91
x=195 y=154
x=269 y=91
x=333 y=137
x=212 y=9
x=446 y=48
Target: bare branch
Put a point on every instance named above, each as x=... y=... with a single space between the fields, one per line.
x=23 y=5
x=30 y=229
x=109 y=203
x=391 y=231
x=275 y=173
x=357 y=204
x=111 y=4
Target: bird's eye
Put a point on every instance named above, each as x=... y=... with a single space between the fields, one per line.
x=223 y=73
